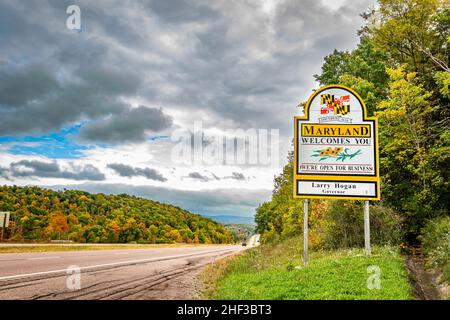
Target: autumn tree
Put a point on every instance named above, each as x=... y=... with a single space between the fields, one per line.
x=57 y=226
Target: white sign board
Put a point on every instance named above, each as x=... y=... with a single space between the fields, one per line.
x=4 y=219
x=336 y=147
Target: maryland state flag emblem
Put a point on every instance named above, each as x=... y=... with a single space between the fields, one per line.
x=335 y=105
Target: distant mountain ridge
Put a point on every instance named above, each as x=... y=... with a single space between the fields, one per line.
x=232 y=219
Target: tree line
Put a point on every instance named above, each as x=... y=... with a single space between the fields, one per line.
x=43 y=214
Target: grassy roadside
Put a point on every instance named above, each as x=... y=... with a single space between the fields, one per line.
x=269 y=272
x=87 y=247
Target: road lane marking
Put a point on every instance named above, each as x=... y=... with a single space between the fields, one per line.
x=113 y=264
x=43 y=258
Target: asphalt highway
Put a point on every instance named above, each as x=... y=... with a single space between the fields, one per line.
x=155 y=273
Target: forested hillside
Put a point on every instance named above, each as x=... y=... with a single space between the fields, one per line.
x=42 y=214
x=401 y=70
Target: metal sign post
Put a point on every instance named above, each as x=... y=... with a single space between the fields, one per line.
x=367 y=228
x=305 y=232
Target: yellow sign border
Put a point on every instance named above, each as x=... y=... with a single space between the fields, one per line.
x=319 y=125
x=297 y=177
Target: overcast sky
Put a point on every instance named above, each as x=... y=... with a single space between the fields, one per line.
x=96 y=108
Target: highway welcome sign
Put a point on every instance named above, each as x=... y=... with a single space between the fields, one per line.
x=336 y=147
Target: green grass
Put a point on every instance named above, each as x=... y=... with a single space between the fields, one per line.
x=268 y=272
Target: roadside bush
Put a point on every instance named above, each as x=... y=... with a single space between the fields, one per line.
x=342 y=225
x=270 y=236
x=436 y=244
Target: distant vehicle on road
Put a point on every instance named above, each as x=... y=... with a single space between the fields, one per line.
x=244 y=244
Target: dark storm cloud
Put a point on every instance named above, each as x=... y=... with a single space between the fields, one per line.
x=252 y=67
x=20 y=84
x=203 y=178
x=180 y=11
x=74 y=76
x=4 y=172
x=237 y=176
x=126 y=126
x=35 y=168
x=240 y=202
x=34 y=100
x=229 y=59
x=128 y=171
x=123 y=169
x=198 y=176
